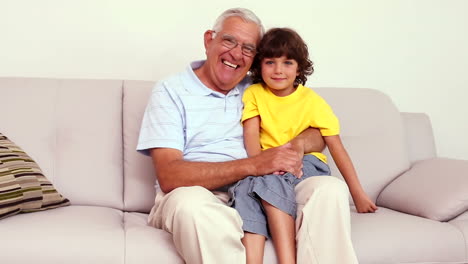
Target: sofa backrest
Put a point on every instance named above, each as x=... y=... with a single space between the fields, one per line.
x=139 y=172
x=373 y=134
x=419 y=136
x=372 y=131
x=83 y=134
x=72 y=129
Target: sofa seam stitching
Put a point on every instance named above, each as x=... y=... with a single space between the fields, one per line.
x=464 y=239
x=54 y=159
x=122 y=127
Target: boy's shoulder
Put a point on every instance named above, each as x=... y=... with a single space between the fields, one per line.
x=255 y=87
x=307 y=90
x=311 y=95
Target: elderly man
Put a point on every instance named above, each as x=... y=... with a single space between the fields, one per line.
x=191 y=129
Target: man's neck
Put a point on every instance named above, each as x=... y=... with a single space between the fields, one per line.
x=202 y=75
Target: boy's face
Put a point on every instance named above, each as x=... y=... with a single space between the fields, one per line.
x=279 y=74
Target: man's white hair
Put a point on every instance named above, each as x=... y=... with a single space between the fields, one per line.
x=243 y=13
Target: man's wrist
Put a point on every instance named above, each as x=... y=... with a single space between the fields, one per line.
x=249 y=167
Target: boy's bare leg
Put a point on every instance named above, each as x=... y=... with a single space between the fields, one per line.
x=283 y=232
x=254 y=246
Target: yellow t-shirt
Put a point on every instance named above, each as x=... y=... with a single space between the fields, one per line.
x=283 y=118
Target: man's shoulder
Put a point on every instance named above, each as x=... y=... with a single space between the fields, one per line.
x=175 y=82
x=175 y=78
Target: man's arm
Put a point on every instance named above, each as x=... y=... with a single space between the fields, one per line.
x=173 y=171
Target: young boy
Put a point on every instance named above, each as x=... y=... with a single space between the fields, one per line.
x=276 y=109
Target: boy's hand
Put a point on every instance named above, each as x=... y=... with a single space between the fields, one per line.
x=284 y=172
x=364 y=204
x=279 y=173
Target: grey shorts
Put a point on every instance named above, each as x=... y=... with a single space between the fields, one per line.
x=277 y=190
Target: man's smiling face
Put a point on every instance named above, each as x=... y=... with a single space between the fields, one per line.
x=224 y=67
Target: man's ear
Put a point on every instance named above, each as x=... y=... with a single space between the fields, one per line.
x=207 y=38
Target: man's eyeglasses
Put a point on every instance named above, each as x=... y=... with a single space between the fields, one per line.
x=230 y=42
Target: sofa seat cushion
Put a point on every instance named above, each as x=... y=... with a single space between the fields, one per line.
x=436 y=189
x=388 y=237
x=72 y=235
x=462 y=224
x=145 y=244
x=23 y=186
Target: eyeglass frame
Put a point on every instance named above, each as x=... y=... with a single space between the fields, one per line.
x=230 y=42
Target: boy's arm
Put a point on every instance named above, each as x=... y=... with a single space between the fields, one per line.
x=252 y=136
x=344 y=164
x=309 y=140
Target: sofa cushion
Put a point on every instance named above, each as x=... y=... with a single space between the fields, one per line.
x=370 y=123
x=419 y=136
x=73 y=235
x=144 y=244
x=373 y=134
x=73 y=129
x=23 y=186
x=139 y=172
x=389 y=237
x=436 y=189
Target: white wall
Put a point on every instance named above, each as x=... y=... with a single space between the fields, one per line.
x=414 y=50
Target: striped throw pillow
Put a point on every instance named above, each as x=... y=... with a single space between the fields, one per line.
x=23 y=187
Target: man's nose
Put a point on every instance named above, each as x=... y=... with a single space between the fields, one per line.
x=236 y=52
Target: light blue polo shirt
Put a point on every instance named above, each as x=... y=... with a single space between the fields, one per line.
x=184 y=114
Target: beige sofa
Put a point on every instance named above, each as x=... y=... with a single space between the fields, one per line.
x=83 y=135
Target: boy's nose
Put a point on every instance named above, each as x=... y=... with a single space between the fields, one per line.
x=278 y=68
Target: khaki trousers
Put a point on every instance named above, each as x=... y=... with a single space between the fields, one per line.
x=207 y=231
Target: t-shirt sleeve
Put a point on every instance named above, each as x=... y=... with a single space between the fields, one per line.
x=162 y=125
x=324 y=118
x=250 y=104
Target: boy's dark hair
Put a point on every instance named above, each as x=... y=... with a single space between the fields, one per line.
x=279 y=42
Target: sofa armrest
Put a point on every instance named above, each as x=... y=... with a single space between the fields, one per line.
x=419 y=136
x=435 y=188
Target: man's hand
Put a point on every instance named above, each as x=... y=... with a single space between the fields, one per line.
x=282 y=158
